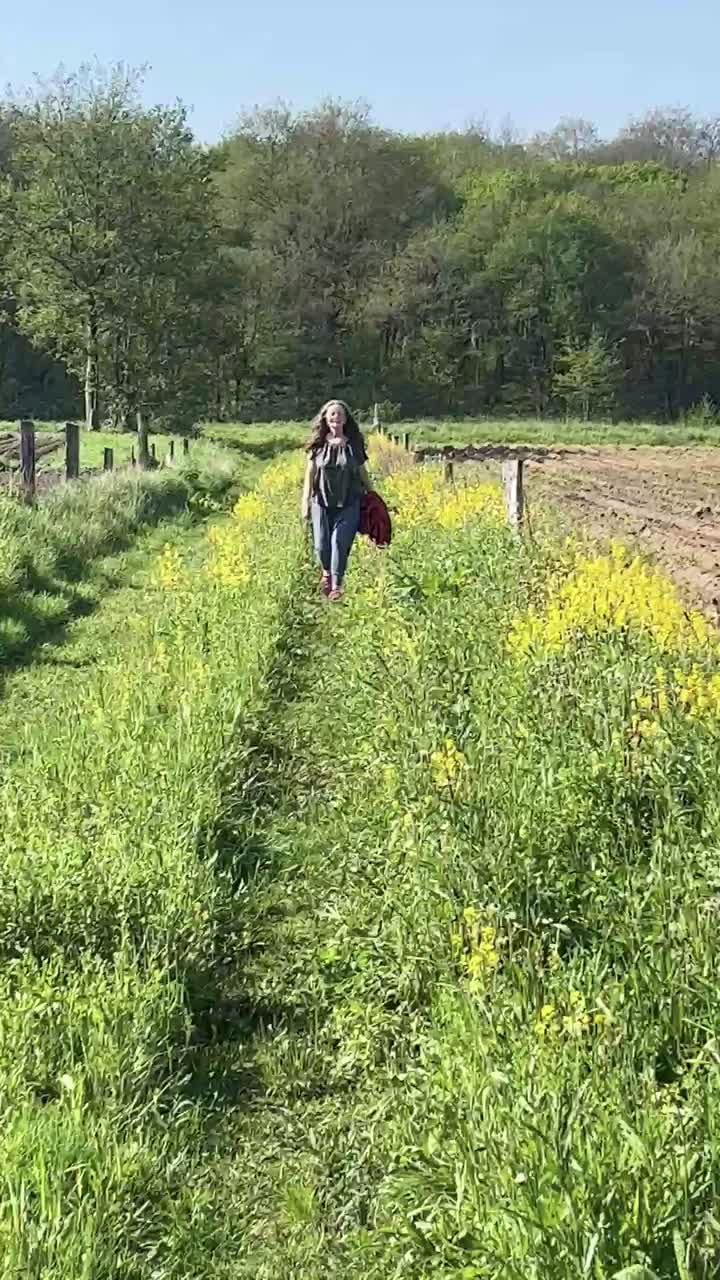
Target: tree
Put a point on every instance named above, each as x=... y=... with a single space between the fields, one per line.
x=158 y=329
x=318 y=202
x=670 y=136
x=675 y=319
x=64 y=211
x=587 y=375
x=108 y=211
x=569 y=140
x=557 y=270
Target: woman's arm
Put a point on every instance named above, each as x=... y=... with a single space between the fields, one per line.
x=307 y=490
x=365 y=478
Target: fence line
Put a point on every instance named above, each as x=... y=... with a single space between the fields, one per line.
x=28 y=447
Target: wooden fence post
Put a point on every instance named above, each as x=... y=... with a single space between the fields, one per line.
x=108 y=459
x=449 y=472
x=186 y=446
x=171 y=451
x=133 y=463
x=406 y=441
x=72 y=451
x=377 y=425
x=153 y=451
x=27 y=460
x=512 y=474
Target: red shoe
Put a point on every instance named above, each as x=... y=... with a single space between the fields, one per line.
x=325 y=584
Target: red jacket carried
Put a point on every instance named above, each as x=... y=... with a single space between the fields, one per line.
x=375 y=520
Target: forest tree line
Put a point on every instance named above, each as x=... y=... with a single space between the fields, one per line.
x=150 y=280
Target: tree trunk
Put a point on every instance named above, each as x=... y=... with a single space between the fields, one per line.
x=92 y=398
x=218 y=390
x=143 y=451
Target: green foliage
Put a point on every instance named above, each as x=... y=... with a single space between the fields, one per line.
x=520 y=187
x=587 y=376
x=704 y=414
x=108 y=226
x=117 y=909
x=443 y=908
x=316 y=253
x=47 y=553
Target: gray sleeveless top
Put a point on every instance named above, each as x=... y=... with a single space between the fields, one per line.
x=337 y=478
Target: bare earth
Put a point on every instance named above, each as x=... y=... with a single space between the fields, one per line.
x=664 y=500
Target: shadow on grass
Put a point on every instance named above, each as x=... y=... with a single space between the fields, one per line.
x=42 y=608
x=27 y=626
x=258 y=450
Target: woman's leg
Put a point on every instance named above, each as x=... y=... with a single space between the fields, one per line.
x=344 y=530
x=321 y=535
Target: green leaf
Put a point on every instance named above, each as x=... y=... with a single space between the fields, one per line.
x=680 y=1255
x=635 y=1272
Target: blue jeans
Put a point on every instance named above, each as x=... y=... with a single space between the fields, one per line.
x=334 y=530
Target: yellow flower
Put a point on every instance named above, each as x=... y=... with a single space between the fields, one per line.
x=479 y=948
x=447 y=765
x=249 y=507
x=170 y=568
x=230 y=564
x=603 y=595
x=420 y=496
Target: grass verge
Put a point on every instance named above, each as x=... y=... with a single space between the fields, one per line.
x=267 y=437
x=117 y=909
x=47 y=552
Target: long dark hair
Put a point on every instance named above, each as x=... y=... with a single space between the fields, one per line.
x=320 y=428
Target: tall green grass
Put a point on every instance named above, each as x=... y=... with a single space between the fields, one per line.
x=347 y=941
x=557 y=431
x=47 y=552
x=119 y=908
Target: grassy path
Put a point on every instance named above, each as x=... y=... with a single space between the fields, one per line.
x=284 y=1075
x=306 y=1061
x=116 y=906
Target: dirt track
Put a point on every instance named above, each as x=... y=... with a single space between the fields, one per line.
x=667 y=500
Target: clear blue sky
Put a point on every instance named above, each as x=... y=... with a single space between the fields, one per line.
x=420 y=65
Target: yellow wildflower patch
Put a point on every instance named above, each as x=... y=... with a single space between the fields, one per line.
x=421 y=497
x=472 y=502
x=411 y=493
x=230 y=564
x=695 y=692
x=249 y=508
x=608 y=594
x=569 y=1017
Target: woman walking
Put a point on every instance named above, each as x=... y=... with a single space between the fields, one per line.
x=335 y=479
